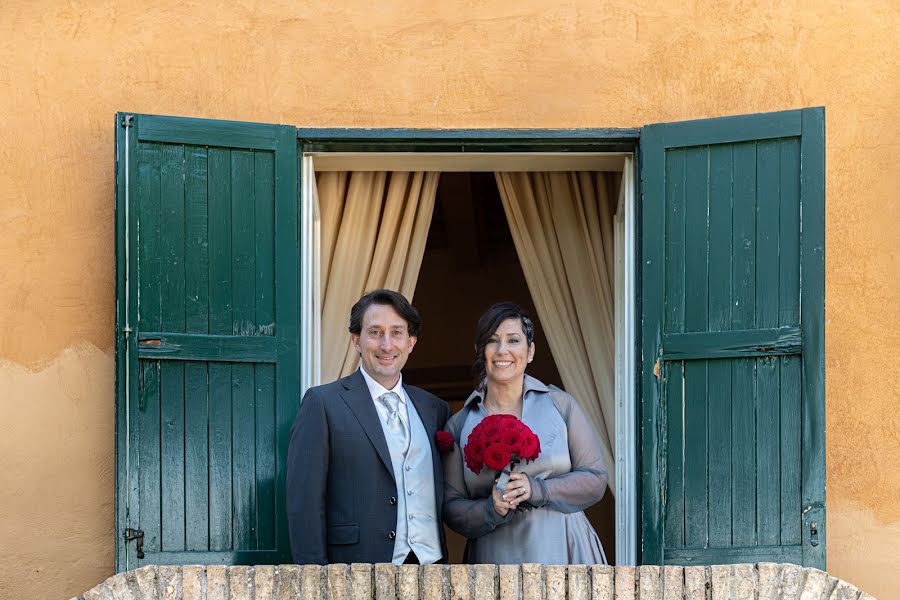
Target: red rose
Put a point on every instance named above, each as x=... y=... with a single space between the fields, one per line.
x=512 y=439
x=490 y=429
x=474 y=456
x=445 y=441
x=531 y=447
x=497 y=457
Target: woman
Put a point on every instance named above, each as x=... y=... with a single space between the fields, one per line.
x=538 y=518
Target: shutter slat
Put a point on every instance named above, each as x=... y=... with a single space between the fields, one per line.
x=148 y=433
x=743 y=371
x=673 y=372
x=196 y=413
x=696 y=318
x=719 y=374
x=196 y=464
x=220 y=469
x=768 y=241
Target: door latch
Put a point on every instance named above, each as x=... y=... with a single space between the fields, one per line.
x=136 y=534
x=814 y=534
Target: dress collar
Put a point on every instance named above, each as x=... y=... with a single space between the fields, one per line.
x=530 y=384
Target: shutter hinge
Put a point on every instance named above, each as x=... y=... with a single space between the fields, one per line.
x=136 y=534
x=127 y=120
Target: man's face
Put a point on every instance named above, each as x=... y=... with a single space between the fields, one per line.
x=383 y=344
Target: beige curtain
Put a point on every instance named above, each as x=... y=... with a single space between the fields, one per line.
x=373 y=231
x=562 y=226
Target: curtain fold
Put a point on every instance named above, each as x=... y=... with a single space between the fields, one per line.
x=373 y=231
x=562 y=227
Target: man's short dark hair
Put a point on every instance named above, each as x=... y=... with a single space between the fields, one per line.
x=385 y=298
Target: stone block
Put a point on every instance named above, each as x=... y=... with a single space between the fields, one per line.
x=554 y=582
x=385 y=581
x=462 y=580
x=578 y=586
x=216 y=582
x=791 y=584
x=338 y=580
x=532 y=582
x=649 y=581
x=98 y=592
x=769 y=579
x=745 y=581
x=486 y=582
x=510 y=582
x=192 y=580
x=815 y=585
x=695 y=583
x=239 y=583
x=603 y=580
x=408 y=582
x=288 y=582
x=119 y=588
x=720 y=582
x=625 y=580
x=169 y=579
x=844 y=591
x=673 y=583
x=264 y=582
x=312 y=582
x=361 y=581
x=144 y=581
x=435 y=582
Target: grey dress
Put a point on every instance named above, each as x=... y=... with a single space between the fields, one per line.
x=567 y=477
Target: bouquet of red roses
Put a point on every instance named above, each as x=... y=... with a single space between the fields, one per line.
x=499 y=443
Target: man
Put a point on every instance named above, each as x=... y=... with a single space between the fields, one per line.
x=364 y=478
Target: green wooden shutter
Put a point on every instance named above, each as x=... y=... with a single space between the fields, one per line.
x=207 y=338
x=733 y=431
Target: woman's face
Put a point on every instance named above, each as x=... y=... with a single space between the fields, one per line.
x=507 y=353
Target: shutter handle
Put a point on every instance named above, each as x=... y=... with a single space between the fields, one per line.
x=813 y=534
x=136 y=534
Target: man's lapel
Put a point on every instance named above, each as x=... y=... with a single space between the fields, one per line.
x=356 y=396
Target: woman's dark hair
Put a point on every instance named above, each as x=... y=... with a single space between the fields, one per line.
x=385 y=298
x=487 y=325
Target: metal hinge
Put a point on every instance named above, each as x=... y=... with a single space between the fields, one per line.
x=127 y=120
x=136 y=534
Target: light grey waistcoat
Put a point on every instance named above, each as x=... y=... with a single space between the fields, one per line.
x=417 y=521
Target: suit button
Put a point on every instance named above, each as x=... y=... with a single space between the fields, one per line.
x=392 y=535
x=393 y=500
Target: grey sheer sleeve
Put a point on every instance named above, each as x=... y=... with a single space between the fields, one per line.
x=586 y=483
x=471 y=517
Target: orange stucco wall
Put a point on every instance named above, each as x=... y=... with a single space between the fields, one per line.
x=67 y=67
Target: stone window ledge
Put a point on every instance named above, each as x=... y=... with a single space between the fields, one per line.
x=762 y=581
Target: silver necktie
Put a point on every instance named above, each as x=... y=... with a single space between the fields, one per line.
x=395 y=422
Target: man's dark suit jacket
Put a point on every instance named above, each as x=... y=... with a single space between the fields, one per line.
x=341 y=493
